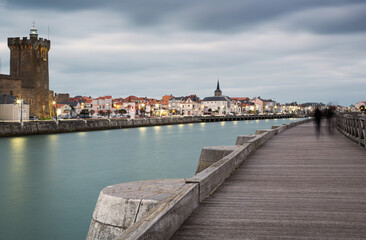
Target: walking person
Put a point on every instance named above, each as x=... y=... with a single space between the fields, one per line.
x=317 y=119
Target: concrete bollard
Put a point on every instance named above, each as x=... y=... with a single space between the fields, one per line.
x=121 y=205
x=260 y=131
x=240 y=140
x=210 y=155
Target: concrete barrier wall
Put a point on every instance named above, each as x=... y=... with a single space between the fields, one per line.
x=8 y=129
x=165 y=218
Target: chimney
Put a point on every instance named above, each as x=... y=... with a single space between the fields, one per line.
x=4 y=99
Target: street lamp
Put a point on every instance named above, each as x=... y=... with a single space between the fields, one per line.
x=20 y=102
x=54 y=105
x=108 y=109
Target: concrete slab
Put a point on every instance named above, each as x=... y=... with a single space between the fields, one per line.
x=121 y=205
x=210 y=155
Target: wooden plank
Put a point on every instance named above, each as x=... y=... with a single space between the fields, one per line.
x=293 y=187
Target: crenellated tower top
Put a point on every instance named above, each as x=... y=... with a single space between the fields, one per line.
x=32 y=43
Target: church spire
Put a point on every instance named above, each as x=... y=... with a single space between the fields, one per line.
x=218 y=92
x=218 y=85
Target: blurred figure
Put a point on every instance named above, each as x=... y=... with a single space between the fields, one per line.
x=318 y=120
x=329 y=115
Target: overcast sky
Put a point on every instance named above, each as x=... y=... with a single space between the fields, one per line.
x=285 y=50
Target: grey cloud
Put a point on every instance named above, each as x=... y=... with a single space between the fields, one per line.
x=329 y=20
x=212 y=15
x=180 y=47
x=70 y=5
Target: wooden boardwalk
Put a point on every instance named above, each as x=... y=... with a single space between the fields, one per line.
x=295 y=186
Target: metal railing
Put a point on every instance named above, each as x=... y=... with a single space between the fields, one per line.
x=353 y=126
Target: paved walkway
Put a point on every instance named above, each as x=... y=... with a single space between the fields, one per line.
x=293 y=187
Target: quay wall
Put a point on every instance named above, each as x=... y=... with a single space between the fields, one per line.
x=9 y=129
x=178 y=198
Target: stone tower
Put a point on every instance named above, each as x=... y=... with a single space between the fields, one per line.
x=218 y=92
x=29 y=63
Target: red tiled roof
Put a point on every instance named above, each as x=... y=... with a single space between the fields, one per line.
x=240 y=98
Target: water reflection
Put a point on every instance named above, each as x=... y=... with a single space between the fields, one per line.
x=81 y=134
x=17 y=144
x=142 y=130
x=157 y=128
x=16 y=168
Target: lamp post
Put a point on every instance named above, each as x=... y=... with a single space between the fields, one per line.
x=20 y=102
x=54 y=105
x=143 y=109
x=108 y=110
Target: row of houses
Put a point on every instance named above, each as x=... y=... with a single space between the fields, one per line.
x=65 y=106
x=190 y=105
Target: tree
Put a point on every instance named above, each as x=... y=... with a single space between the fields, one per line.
x=109 y=113
x=72 y=110
x=122 y=111
x=84 y=112
x=143 y=110
x=101 y=113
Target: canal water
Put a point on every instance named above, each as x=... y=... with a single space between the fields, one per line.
x=49 y=184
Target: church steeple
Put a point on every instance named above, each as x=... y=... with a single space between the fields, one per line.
x=218 y=92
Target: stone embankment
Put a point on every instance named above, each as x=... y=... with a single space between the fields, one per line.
x=64 y=126
x=8 y=129
x=155 y=209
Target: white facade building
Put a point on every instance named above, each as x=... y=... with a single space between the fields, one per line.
x=191 y=106
x=10 y=110
x=217 y=104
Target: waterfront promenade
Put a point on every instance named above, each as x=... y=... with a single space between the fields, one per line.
x=294 y=186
